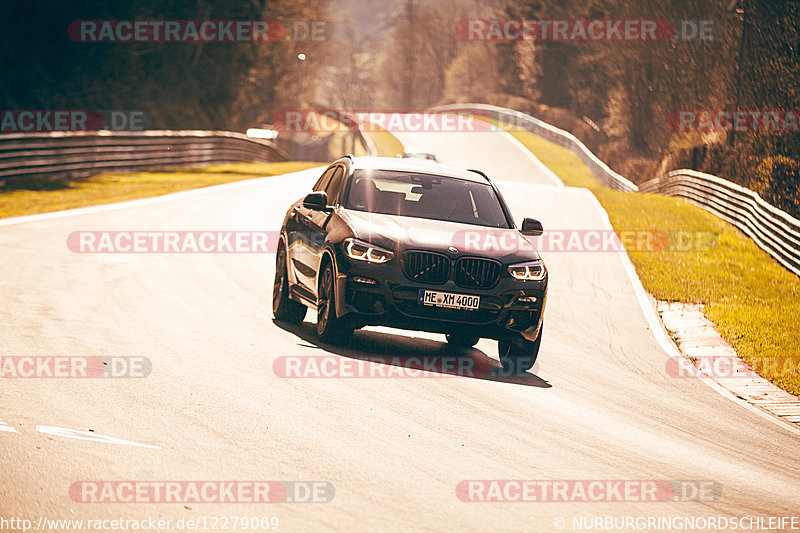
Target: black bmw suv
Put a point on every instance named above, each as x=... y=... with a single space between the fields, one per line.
x=412 y=245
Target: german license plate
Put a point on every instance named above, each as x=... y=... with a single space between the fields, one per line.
x=449 y=300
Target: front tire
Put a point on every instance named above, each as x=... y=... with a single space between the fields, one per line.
x=330 y=328
x=283 y=308
x=518 y=355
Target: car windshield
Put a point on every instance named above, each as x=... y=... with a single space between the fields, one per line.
x=425 y=196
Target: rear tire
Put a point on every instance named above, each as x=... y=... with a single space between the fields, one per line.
x=283 y=308
x=519 y=355
x=330 y=328
x=460 y=340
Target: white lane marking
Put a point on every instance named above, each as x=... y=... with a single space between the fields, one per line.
x=6 y=427
x=651 y=315
x=541 y=166
x=87 y=435
x=127 y=204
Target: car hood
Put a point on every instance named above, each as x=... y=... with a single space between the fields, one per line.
x=399 y=233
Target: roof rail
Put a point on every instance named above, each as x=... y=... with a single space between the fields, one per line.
x=482 y=173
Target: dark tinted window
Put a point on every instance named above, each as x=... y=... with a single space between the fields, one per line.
x=323 y=181
x=425 y=196
x=335 y=185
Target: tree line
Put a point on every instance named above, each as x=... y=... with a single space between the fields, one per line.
x=623 y=99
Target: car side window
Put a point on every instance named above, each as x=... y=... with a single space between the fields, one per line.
x=323 y=181
x=334 y=187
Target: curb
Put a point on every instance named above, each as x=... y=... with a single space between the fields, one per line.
x=699 y=342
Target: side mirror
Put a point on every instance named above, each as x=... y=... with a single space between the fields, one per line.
x=531 y=226
x=317 y=200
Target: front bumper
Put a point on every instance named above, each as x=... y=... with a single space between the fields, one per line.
x=512 y=308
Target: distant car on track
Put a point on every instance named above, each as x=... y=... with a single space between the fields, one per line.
x=418 y=153
x=396 y=242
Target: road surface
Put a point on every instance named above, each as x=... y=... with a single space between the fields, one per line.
x=599 y=404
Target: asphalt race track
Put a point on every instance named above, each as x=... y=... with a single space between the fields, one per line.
x=598 y=405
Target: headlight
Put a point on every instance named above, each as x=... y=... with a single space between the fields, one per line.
x=532 y=270
x=362 y=251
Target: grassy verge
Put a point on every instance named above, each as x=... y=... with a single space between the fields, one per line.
x=751 y=299
x=385 y=143
x=342 y=140
x=40 y=196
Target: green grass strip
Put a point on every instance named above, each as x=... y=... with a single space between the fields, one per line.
x=386 y=144
x=750 y=298
x=44 y=195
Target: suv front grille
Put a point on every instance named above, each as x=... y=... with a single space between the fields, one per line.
x=476 y=273
x=426 y=267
